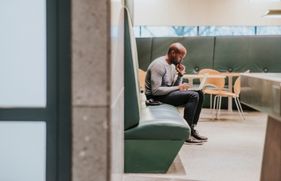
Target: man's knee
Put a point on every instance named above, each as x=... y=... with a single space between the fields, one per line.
x=194 y=96
x=201 y=94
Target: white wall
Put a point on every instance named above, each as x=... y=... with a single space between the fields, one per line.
x=203 y=12
x=117 y=90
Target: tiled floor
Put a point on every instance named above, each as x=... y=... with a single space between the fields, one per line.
x=233 y=152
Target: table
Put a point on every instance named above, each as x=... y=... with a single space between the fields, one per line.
x=191 y=77
x=229 y=75
x=262 y=91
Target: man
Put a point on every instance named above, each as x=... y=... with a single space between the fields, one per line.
x=163 y=83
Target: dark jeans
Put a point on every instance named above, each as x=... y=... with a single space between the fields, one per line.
x=191 y=100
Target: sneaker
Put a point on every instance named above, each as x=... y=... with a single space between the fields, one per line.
x=196 y=135
x=193 y=141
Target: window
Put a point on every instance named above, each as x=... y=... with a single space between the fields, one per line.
x=226 y=30
x=164 y=31
x=268 y=30
x=175 y=31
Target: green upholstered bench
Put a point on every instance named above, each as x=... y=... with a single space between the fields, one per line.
x=153 y=134
x=152 y=144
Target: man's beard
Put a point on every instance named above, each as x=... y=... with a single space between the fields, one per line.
x=175 y=62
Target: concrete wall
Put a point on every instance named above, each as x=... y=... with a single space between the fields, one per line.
x=203 y=12
x=97 y=90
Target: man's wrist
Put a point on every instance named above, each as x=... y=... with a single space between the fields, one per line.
x=180 y=74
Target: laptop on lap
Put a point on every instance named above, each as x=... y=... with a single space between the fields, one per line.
x=197 y=87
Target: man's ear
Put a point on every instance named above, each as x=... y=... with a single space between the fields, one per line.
x=173 y=52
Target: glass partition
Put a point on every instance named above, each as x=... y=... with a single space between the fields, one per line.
x=23 y=151
x=23 y=53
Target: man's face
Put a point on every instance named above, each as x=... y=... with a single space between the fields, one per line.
x=177 y=57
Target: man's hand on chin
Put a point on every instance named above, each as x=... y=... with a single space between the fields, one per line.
x=180 y=69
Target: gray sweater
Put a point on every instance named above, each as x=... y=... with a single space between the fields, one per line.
x=161 y=78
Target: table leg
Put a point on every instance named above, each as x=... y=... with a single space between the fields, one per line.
x=230 y=90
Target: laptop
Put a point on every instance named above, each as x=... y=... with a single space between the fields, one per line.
x=197 y=87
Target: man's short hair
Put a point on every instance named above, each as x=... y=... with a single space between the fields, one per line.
x=177 y=47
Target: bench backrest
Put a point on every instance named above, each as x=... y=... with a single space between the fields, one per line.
x=223 y=53
x=131 y=83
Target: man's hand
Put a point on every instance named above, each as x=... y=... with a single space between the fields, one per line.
x=184 y=87
x=180 y=69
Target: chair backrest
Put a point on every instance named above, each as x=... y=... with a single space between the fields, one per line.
x=237 y=86
x=218 y=82
x=142 y=75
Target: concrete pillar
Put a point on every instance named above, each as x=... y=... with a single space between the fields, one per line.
x=97 y=90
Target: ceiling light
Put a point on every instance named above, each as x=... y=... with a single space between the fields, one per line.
x=273 y=13
x=264 y=1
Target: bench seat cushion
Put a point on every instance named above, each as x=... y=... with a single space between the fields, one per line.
x=161 y=122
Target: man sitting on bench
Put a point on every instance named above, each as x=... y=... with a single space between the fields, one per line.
x=163 y=83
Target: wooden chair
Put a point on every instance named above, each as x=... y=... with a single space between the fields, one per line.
x=217 y=84
x=142 y=75
x=234 y=95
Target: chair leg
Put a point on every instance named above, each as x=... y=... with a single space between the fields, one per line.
x=238 y=107
x=241 y=110
x=214 y=108
x=211 y=101
x=219 y=107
